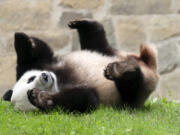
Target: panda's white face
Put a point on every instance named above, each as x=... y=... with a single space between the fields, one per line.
x=42 y=80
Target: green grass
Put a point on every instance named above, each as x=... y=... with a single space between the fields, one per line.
x=157 y=118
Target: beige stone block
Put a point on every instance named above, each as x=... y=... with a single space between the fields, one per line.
x=7 y=44
x=178 y=55
x=75 y=41
x=128 y=7
x=83 y=4
x=8 y=73
x=162 y=27
x=169 y=86
x=110 y=32
x=176 y=6
x=58 y=41
x=168 y=52
x=68 y=16
x=130 y=33
x=55 y=39
x=19 y=15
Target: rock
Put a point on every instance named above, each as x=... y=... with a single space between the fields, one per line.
x=8 y=74
x=162 y=27
x=140 y=7
x=178 y=57
x=130 y=33
x=68 y=16
x=75 y=41
x=110 y=32
x=82 y=4
x=6 y=44
x=169 y=86
x=55 y=39
x=168 y=52
x=18 y=15
x=176 y=6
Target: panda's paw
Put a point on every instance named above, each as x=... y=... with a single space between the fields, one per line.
x=84 y=24
x=40 y=99
x=32 y=97
x=111 y=71
x=107 y=72
x=77 y=24
x=127 y=69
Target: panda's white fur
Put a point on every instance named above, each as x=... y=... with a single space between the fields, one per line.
x=29 y=80
x=91 y=65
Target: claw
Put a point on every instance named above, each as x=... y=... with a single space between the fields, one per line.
x=107 y=73
x=31 y=97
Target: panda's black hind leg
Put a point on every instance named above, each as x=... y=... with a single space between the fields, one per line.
x=92 y=36
x=78 y=99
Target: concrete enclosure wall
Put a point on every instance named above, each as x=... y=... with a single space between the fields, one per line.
x=128 y=23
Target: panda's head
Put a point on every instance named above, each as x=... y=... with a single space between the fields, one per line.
x=42 y=80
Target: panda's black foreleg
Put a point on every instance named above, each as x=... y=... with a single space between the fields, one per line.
x=40 y=99
x=128 y=78
x=125 y=70
x=75 y=99
x=92 y=36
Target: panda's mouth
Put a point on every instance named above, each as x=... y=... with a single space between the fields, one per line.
x=45 y=77
x=47 y=80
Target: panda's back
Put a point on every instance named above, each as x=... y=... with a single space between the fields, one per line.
x=88 y=68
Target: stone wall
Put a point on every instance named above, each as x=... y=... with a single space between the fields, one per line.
x=128 y=23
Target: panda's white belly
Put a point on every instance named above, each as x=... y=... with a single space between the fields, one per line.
x=89 y=69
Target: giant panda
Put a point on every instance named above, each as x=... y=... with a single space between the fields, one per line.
x=42 y=80
x=97 y=74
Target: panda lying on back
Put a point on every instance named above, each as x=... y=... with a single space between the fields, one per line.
x=42 y=80
x=96 y=74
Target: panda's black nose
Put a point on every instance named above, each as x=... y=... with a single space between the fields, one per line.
x=45 y=76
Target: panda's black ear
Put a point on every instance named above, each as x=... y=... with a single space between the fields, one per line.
x=7 y=95
x=23 y=47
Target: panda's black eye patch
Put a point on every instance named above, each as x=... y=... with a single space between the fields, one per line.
x=31 y=79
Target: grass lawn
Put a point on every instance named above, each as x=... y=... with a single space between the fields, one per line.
x=156 y=118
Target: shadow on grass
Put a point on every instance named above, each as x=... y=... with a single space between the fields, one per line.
x=149 y=106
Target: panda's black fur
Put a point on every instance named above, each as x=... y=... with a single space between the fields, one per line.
x=96 y=74
x=32 y=53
